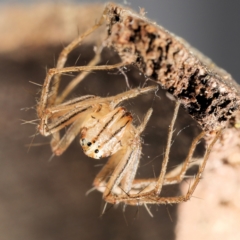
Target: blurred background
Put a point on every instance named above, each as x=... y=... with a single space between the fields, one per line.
x=46 y=200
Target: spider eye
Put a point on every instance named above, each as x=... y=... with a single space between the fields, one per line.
x=89 y=144
x=83 y=140
x=96 y=151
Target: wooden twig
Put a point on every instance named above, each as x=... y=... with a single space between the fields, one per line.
x=208 y=93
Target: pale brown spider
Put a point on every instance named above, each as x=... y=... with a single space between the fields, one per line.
x=106 y=130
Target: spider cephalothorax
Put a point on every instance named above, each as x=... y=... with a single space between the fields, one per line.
x=102 y=136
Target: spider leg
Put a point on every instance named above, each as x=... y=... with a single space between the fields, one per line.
x=58 y=122
x=63 y=58
x=59 y=110
x=151 y=198
x=91 y=99
x=109 y=178
x=126 y=158
x=161 y=178
x=59 y=147
x=179 y=171
x=58 y=114
x=187 y=196
x=74 y=82
x=115 y=100
x=127 y=181
x=103 y=176
x=45 y=95
x=173 y=177
x=72 y=106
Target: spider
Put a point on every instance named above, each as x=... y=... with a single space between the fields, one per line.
x=106 y=130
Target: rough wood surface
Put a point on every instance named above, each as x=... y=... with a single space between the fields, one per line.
x=208 y=93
